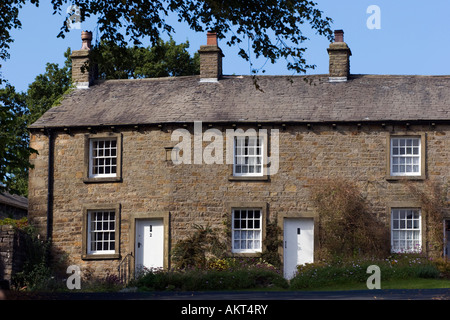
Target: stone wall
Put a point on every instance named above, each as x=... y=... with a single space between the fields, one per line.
x=12 y=253
x=201 y=193
x=210 y=62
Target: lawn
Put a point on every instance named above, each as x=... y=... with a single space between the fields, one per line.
x=416 y=283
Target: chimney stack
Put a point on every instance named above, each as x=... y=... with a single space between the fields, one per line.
x=82 y=70
x=339 y=55
x=210 y=59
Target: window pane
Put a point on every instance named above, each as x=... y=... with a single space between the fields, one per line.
x=103 y=157
x=246 y=230
x=102 y=231
x=405 y=156
x=247 y=156
x=405 y=231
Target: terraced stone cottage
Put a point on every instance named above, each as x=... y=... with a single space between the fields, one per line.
x=127 y=167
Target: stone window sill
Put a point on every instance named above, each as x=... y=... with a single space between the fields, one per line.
x=405 y=178
x=244 y=178
x=110 y=256
x=102 y=180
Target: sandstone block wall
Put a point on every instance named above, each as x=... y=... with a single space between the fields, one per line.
x=201 y=193
x=81 y=69
x=12 y=253
x=339 y=62
x=210 y=62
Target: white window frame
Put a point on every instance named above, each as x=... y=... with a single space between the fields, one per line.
x=247 y=232
x=246 y=155
x=406 y=230
x=93 y=234
x=405 y=156
x=104 y=158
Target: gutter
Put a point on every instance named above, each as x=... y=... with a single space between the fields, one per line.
x=50 y=180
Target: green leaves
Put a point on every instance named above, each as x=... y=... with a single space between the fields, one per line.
x=9 y=11
x=162 y=60
x=14 y=140
x=48 y=88
x=272 y=29
x=17 y=111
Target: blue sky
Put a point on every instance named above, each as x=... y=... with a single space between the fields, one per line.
x=413 y=38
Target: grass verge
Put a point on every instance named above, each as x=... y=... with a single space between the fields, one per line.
x=415 y=283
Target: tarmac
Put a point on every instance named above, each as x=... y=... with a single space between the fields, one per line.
x=375 y=294
x=274 y=305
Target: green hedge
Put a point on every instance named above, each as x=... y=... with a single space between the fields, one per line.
x=196 y=280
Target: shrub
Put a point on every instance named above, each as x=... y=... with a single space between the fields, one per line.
x=347 y=226
x=21 y=224
x=433 y=202
x=443 y=265
x=231 y=264
x=195 y=280
x=36 y=273
x=194 y=251
x=218 y=274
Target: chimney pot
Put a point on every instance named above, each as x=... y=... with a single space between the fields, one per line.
x=211 y=39
x=86 y=38
x=339 y=36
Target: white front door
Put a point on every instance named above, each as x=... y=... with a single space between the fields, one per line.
x=298 y=244
x=149 y=245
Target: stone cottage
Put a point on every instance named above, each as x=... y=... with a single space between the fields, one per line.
x=127 y=167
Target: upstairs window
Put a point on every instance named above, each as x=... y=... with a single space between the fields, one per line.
x=248 y=156
x=405 y=156
x=103 y=158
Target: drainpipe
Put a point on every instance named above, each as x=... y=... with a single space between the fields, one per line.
x=50 y=184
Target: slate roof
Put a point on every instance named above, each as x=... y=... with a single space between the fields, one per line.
x=236 y=99
x=14 y=200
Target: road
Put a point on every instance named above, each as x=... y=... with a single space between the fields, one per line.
x=229 y=305
x=398 y=294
